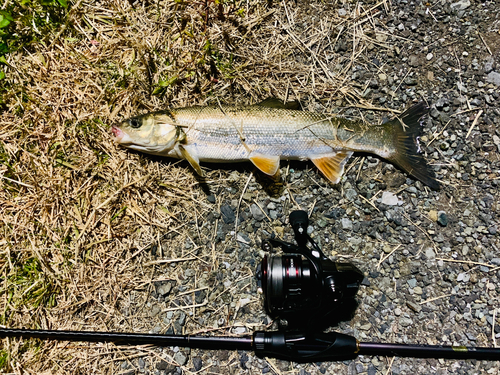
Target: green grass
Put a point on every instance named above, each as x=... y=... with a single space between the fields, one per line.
x=29 y=21
x=23 y=23
x=4 y=358
x=27 y=285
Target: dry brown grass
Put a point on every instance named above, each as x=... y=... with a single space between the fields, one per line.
x=78 y=214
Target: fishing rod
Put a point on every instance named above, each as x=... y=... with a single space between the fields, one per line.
x=304 y=291
x=290 y=346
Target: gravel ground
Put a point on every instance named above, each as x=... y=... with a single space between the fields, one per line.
x=431 y=258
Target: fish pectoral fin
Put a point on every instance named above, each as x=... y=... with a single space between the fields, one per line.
x=268 y=164
x=189 y=153
x=278 y=103
x=332 y=165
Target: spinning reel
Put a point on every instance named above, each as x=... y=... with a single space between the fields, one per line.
x=303 y=288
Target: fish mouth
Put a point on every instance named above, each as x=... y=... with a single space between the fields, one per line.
x=120 y=136
x=117 y=133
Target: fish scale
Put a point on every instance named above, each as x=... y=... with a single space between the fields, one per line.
x=268 y=132
x=291 y=134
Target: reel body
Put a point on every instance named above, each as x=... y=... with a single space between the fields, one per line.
x=303 y=287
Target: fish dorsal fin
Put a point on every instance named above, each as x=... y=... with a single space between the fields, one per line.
x=189 y=153
x=277 y=103
x=332 y=165
x=268 y=164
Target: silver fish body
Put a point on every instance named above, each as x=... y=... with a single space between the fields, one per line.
x=265 y=135
x=231 y=133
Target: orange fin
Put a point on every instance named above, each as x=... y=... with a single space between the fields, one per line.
x=190 y=154
x=268 y=164
x=332 y=165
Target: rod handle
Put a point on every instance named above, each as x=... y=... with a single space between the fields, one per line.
x=310 y=347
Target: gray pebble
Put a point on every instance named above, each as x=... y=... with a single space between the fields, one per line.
x=163 y=365
x=495 y=261
x=493 y=77
x=346 y=223
x=164 y=289
x=460 y=5
x=227 y=214
x=351 y=194
x=489 y=64
x=412 y=283
x=257 y=212
x=197 y=363
x=180 y=358
x=442 y=102
x=141 y=363
x=470 y=336
x=389 y=199
x=405 y=322
x=430 y=254
x=439 y=238
x=414 y=61
x=182 y=318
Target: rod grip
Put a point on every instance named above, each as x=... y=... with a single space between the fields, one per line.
x=299 y=347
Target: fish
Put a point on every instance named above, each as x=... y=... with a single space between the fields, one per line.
x=271 y=131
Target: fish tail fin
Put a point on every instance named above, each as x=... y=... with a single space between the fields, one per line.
x=406 y=129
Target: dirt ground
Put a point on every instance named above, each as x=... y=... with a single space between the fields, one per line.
x=97 y=237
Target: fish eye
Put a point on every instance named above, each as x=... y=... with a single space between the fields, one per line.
x=135 y=123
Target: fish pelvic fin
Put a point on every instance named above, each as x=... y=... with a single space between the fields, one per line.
x=406 y=130
x=189 y=153
x=268 y=164
x=332 y=165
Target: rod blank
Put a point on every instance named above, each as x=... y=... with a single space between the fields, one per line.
x=429 y=351
x=200 y=342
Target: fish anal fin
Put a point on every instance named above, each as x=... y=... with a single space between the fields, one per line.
x=268 y=164
x=332 y=165
x=278 y=103
x=189 y=153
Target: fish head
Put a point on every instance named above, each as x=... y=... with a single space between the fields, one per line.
x=152 y=133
